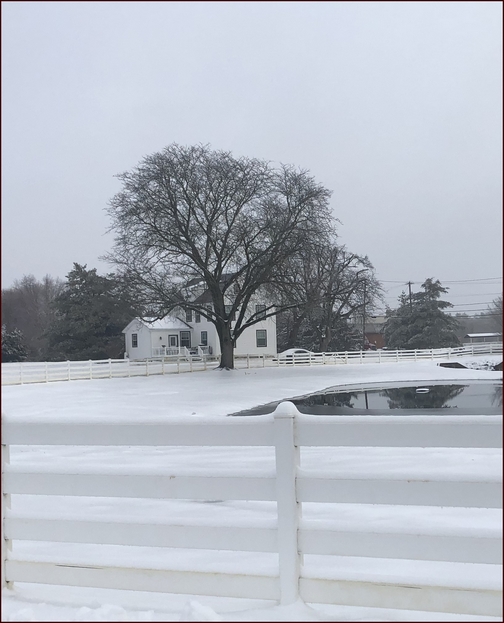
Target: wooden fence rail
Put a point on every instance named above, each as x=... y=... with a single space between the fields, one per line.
x=290 y=486
x=44 y=372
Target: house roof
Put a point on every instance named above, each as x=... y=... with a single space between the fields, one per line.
x=483 y=335
x=170 y=323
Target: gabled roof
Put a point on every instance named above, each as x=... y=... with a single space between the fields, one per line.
x=170 y=323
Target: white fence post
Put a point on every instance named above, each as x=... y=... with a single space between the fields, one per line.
x=6 y=502
x=287 y=461
x=21 y=373
x=46 y=378
x=146 y=367
x=90 y=369
x=110 y=368
x=248 y=361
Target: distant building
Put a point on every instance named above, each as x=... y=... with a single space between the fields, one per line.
x=478 y=338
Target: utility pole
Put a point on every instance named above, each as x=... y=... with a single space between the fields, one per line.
x=410 y=302
x=364 y=318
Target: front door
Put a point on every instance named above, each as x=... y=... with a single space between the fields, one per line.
x=173 y=341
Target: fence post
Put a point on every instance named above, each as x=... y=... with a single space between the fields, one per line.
x=90 y=369
x=432 y=354
x=146 y=367
x=162 y=366
x=263 y=360
x=288 y=511
x=6 y=502
x=360 y=357
x=248 y=361
x=397 y=355
x=21 y=373
x=46 y=379
x=110 y=368
x=415 y=351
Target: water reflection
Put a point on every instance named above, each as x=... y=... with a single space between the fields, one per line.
x=435 y=398
x=497 y=396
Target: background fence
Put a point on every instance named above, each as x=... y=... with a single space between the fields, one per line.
x=286 y=430
x=44 y=372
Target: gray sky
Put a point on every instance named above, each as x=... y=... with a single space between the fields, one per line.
x=394 y=106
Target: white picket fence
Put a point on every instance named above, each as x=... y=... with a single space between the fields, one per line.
x=287 y=431
x=44 y=372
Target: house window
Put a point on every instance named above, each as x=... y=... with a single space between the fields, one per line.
x=188 y=315
x=204 y=338
x=197 y=316
x=227 y=312
x=134 y=340
x=260 y=312
x=185 y=339
x=261 y=338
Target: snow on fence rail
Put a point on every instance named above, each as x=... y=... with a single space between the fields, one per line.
x=286 y=430
x=44 y=372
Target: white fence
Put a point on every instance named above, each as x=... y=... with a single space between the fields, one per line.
x=286 y=430
x=44 y=372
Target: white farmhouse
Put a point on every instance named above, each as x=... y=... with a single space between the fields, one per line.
x=191 y=333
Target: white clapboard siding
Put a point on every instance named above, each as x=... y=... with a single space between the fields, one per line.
x=230 y=432
x=372 y=490
x=400 y=431
x=141 y=486
x=403 y=597
x=231 y=538
x=459 y=548
x=247 y=586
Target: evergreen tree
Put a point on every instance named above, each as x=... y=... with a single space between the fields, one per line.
x=92 y=310
x=420 y=322
x=13 y=348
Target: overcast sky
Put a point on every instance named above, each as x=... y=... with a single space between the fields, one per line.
x=394 y=106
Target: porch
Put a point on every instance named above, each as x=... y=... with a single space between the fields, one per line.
x=181 y=352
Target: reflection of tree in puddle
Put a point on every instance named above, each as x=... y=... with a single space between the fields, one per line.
x=497 y=396
x=330 y=400
x=407 y=398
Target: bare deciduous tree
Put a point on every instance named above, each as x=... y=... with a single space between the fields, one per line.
x=329 y=284
x=190 y=215
x=28 y=307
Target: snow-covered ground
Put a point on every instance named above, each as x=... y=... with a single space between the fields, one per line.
x=209 y=395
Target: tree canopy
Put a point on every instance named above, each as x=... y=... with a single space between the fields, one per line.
x=28 y=307
x=420 y=322
x=91 y=312
x=188 y=216
x=13 y=348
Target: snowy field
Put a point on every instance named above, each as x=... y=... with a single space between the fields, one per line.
x=210 y=395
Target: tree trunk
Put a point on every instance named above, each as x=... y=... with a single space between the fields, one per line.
x=227 y=355
x=292 y=340
x=226 y=347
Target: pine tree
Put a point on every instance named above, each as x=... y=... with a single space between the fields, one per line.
x=421 y=322
x=13 y=348
x=92 y=310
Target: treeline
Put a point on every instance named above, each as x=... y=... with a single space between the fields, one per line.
x=51 y=320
